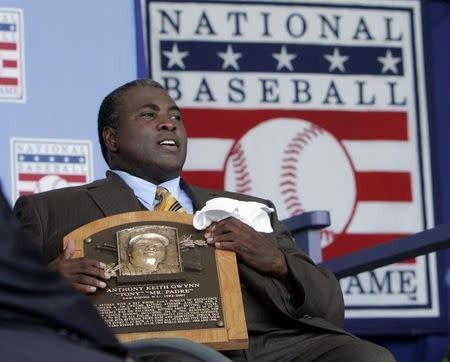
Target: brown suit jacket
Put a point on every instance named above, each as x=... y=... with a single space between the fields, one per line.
x=317 y=301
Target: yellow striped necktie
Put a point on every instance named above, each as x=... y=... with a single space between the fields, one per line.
x=167 y=202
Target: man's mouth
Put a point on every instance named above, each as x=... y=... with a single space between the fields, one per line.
x=170 y=143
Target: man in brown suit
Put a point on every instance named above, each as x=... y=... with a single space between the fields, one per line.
x=294 y=310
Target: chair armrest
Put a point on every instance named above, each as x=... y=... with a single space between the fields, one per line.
x=306 y=228
x=393 y=251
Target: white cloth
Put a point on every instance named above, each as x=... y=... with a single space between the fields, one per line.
x=251 y=213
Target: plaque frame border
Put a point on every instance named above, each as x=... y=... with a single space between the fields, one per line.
x=234 y=333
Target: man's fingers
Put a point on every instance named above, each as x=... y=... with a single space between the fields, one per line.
x=84 y=266
x=90 y=281
x=230 y=224
x=225 y=245
x=92 y=270
x=95 y=263
x=223 y=227
x=214 y=238
x=85 y=289
x=85 y=275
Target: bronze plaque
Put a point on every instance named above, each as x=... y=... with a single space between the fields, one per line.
x=166 y=279
x=162 y=277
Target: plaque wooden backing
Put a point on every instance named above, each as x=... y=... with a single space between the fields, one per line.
x=230 y=337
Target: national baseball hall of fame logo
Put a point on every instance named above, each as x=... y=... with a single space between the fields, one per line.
x=46 y=164
x=313 y=105
x=12 y=74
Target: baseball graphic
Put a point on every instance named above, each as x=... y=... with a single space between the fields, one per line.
x=50 y=182
x=299 y=166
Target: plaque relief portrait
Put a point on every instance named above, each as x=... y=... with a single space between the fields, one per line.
x=151 y=249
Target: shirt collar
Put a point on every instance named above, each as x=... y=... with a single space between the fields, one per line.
x=145 y=191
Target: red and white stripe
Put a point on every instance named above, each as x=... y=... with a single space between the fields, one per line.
x=9 y=60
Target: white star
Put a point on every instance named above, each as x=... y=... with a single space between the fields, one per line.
x=36 y=158
x=81 y=160
x=284 y=59
x=230 y=58
x=66 y=159
x=175 y=57
x=336 y=60
x=51 y=159
x=389 y=62
x=21 y=158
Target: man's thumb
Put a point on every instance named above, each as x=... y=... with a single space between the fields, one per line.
x=69 y=250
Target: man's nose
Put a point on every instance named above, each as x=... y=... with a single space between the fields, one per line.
x=167 y=125
x=150 y=248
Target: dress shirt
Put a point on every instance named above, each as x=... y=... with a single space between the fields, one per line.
x=145 y=191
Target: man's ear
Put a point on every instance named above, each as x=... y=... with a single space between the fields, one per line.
x=109 y=137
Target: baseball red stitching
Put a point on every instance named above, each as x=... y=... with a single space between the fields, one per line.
x=288 y=176
x=239 y=162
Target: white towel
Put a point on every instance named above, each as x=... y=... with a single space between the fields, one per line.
x=251 y=213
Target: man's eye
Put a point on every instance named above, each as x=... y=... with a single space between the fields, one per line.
x=176 y=117
x=148 y=114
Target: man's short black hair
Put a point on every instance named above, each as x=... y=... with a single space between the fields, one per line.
x=108 y=114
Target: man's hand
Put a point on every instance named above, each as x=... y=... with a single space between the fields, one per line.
x=251 y=247
x=85 y=275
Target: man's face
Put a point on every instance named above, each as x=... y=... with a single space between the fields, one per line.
x=150 y=140
x=145 y=251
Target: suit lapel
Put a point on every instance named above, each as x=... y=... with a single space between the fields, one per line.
x=114 y=196
x=199 y=196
